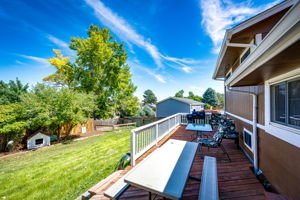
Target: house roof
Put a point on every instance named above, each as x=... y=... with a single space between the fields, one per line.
x=39 y=133
x=230 y=33
x=183 y=100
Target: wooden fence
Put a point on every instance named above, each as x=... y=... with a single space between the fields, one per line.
x=139 y=121
x=79 y=128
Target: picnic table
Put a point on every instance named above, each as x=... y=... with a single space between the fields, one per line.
x=199 y=128
x=165 y=172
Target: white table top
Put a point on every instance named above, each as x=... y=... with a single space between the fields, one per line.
x=165 y=172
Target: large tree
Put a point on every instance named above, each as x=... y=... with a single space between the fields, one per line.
x=179 y=93
x=124 y=101
x=210 y=97
x=220 y=98
x=149 y=97
x=12 y=124
x=194 y=97
x=50 y=107
x=10 y=92
x=99 y=67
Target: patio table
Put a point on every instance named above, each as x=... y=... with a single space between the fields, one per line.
x=199 y=128
x=165 y=172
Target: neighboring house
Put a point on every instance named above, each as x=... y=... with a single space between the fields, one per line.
x=259 y=62
x=38 y=140
x=173 y=105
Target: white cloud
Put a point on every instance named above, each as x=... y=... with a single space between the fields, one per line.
x=57 y=41
x=123 y=29
x=136 y=64
x=130 y=35
x=187 y=69
x=36 y=59
x=217 y=16
x=42 y=61
x=61 y=44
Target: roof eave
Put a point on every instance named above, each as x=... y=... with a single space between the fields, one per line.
x=229 y=32
x=223 y=49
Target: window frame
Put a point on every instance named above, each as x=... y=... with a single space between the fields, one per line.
x=37 y=141
x=251 y=134
x=272 y=111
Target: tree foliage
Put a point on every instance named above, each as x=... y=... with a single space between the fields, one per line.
x=179 y=93
x=48 y=106
x=210 y=97
x=99 y=67
x=149 y=97
x=124 y=101
x=12 y=123
x=220 y=98
x=65 y=74
x=10 y=92
x=194 y=97
x=146 y=111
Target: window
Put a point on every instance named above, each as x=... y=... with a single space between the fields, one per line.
x=245 y=55
x=285 y=103
x=39 y=141
x=247 y=138
x=229 y=73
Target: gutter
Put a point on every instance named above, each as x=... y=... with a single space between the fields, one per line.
x=254 y=126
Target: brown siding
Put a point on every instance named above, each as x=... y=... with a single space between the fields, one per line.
x=278 y=160
x=240 y=125
x=280 y=163
x=241 y=104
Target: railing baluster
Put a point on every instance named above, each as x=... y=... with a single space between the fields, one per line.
x=144 y=137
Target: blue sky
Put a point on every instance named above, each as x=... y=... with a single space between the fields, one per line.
x=171 y=44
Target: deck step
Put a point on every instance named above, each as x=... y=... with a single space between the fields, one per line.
x=105 y=183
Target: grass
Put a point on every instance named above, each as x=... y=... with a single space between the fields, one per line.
x=62 y=171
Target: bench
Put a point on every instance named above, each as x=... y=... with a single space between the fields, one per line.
x=117 y=189
x=209 y=180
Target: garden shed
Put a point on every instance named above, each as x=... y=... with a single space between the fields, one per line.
x=38 y=140
x=173 y=105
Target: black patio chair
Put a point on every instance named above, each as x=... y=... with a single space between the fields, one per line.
x=214 y=142
x=229 y=131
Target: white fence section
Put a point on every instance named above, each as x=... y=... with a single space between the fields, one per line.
x=145 y=137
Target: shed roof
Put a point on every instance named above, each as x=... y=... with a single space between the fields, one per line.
x=183 y=100
x=39 y=133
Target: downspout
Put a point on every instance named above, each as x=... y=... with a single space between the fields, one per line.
x=254 y=125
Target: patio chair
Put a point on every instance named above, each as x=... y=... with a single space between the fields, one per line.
x=230 y=132
x=214 y=120
x=214 y=142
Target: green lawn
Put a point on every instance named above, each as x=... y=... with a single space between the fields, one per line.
x=62 y=171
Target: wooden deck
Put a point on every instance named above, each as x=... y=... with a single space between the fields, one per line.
x=236 y=180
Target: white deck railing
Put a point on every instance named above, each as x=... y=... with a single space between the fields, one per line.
x=145 y=137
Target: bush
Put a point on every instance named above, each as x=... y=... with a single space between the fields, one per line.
x=207 y=107
x=141 y=113
x=53 y=138
x=148 y=111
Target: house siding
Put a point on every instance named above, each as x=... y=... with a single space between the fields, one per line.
x=280 y=163
x=278 y=160
x=171 y=107
x=241 y=104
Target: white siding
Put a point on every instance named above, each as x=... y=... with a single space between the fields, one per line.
x=31 y=142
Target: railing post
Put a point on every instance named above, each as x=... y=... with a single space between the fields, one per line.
x=156 y=133
x=132 y=148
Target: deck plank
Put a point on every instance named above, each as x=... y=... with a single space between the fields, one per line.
x=236 y=180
